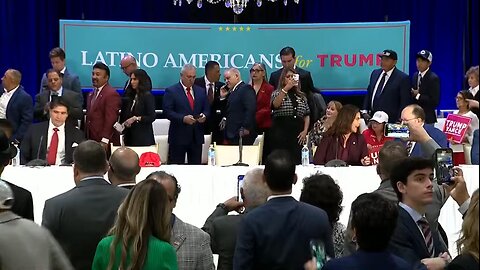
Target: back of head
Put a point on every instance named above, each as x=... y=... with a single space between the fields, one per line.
x=389 y=154
x=124 y=164
x=255 y=191
x=144 y=213
x=320 y=190
x=164 y=176
x=90 y=158
x=6 y=126
x=374 y=219
x=279 y=171
x=7 y=150
x=403 y=168
x=468 y=241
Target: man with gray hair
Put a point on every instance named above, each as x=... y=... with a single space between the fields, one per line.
x=24 y=244
x=186 y=106
x=239 y=120
x=223 y=227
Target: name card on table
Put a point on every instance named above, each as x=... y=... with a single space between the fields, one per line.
x=456 y=126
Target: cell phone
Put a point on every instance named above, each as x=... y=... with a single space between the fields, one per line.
x=317 y=249
x=239 y=186
x=444 y=166
x=296 y=77
x=396 y=131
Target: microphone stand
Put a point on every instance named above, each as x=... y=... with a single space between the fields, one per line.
x=240 y=150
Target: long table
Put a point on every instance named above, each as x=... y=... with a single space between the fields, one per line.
x=203 y=187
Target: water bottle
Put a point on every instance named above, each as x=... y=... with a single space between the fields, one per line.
x=211 y=155
x=16 y=159
x=305 y=156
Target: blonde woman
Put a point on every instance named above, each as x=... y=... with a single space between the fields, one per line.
x=140 y=236
x=322 y=125
x=467 y=245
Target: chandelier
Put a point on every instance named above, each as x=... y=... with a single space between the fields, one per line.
x=236 y=5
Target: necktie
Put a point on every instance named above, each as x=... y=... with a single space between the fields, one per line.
x=378 y=92
x=94 y=98
x=52 y=151
x=190 y=97
x=210 y=93
x=427 y=234
x=419 y=80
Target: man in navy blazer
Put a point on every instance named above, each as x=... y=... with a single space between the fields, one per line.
x=241 y=106
x=187 y=108
x=16 y=104
x=414 y=114
x=389 y=88
x=277 y=234
x=426 y=86
x=414 y=239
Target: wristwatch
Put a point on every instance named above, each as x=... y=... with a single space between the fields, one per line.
x=223 y=206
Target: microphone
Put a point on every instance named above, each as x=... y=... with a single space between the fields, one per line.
x=240 y=150
x=38 y=162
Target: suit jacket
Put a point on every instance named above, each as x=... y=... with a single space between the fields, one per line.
x=223 y=229
x=408 y=243
x=37 y=134
x=263 y=114
x=23 y=203
x=306 y=82
x=139 y=133
x=69 y=81
x=437 y=135
x=75 y=111
x=368 y=260
x=475 y=148
x=241 y=107
x=192 y=246
x=20 y=113
x=176 y=106
x=25 y=245
x=276 y=235
x=394 y=97
x=463 y=262
x=82 y=216
x=330 y=149
x=102 y=115
x=217 y=105
x=429 y=91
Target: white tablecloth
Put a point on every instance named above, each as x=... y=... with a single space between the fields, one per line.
x=203 y=187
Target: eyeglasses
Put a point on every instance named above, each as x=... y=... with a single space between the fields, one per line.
x=256 y=70
x=126 y=66
x=406 y=120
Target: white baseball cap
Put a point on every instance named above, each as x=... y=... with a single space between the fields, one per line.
x=6 y=196
x=380 y=117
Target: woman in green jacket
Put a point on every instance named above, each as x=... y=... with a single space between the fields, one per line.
x=140 y=236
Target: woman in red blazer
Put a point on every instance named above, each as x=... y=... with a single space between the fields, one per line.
x=343 y=140
x=263 y=114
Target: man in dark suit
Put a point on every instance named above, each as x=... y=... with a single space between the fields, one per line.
x=277 y=234
x=103 y=105
x=128 y=64
x=426 y=86
x=223 y=227
x=23 y=203
x=16 y=104
x=414 y=115
x=53 y=140
x=186 y=106
x=210 y=82
x=123 y=168
x=53 y=91
x=288 y=59
x=239 y=119
x=389 y=88
x=70 y=80
x=414 y=239
x=82 y=216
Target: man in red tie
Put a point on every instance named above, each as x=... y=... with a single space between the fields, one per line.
x=53 y=140
x=186 y=106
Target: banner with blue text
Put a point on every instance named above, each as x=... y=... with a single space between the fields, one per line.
x=340 y=56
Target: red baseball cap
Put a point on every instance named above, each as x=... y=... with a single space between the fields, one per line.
x=149 y=159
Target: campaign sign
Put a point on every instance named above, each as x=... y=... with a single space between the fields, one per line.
x=373 y=153
x=456 y=126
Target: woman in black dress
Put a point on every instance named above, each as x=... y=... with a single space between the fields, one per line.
x=138 y=111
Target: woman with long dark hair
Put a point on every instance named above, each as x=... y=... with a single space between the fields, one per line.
x=138 y=111
x=140 y=236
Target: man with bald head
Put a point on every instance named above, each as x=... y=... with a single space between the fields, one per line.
x=16 y=104
x=223 y=227
x=239 y=119
x=123 y=168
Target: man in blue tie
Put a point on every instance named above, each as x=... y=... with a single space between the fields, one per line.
x=389 y=88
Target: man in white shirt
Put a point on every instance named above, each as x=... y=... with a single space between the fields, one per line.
x=15 y=104
x=53 y=140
